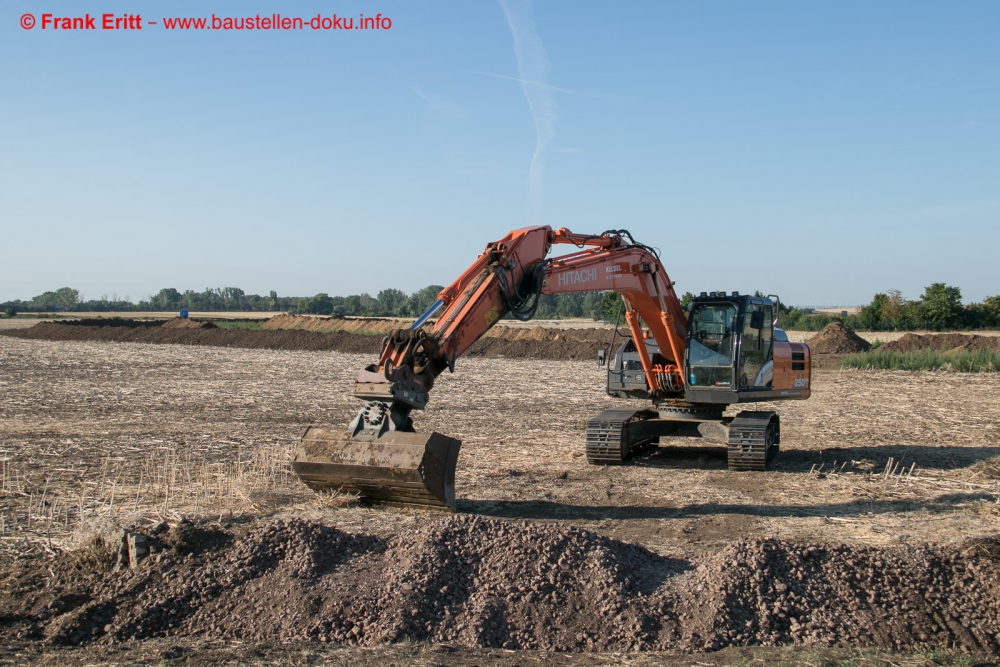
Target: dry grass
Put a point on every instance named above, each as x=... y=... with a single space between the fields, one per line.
x=96 y=434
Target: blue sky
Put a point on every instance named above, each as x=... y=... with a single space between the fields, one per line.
x=822 y=152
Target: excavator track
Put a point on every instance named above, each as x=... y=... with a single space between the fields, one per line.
x=607 y=436
x=753 y=440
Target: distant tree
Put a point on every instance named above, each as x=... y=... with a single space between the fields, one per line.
x=686 y=300
x=610 y=304
x=870 y=316
x=569 y=305
x=368 y=305
x=167 y=298
x=391 y=303
x=351 y=305
x=67 y=297
x=321 y=304
x=941 y=305
x=9 y=312
x=991 y=310
x=421 y=300
x=64 y=298
x=232 y=298
x=893 y=306
x=591 y=305
x=547 y=304
x=985 y=315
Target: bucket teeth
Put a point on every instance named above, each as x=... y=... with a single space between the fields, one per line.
x=396 y=467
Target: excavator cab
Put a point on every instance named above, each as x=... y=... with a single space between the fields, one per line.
x=733 y=354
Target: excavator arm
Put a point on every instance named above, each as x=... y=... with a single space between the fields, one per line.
x=380 y=456
x=507 y=278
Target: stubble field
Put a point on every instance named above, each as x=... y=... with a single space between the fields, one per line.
x=96 y=435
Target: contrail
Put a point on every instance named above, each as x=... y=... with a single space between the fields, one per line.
x=580 y=93
x=532 y=69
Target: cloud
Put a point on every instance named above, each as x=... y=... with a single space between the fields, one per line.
x=533 y=68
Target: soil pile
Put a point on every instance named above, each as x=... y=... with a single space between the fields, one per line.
x=540 y=334
x=770 y=592
x=474 y=581
x=365 y=325
x=835 y=338
x=144 y=332
x=950 y=342
x=383 y=326
x=185 y=323
x=537 y=343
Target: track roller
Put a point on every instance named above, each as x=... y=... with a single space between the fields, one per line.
x=608 y=437
x=753 y=440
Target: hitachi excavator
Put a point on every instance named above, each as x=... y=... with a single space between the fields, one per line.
x=691 y=367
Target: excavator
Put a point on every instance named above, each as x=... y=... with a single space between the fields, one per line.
x=691 y=367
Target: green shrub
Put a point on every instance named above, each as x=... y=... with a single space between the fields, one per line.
x=10 y=312
x=253 y=325
x=966 y=361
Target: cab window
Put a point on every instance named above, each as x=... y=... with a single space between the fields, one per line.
x=711 y=348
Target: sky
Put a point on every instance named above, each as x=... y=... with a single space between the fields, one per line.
x=819 y=151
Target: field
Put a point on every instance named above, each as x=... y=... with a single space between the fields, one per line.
x=95 y=435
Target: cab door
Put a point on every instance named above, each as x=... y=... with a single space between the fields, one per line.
x=756 y=368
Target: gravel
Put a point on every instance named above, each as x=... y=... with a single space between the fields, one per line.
x=474 y=581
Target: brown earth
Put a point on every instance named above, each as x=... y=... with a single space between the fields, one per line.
x=320 y=334
x=481 y=582
x=538 y=342
x=186 y=323
x=202 y=652
x=383 y=326
x=367 y=325
x=945 y=341
x=95 y=432
x=835 y=338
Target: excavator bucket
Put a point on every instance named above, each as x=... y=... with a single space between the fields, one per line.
x=396 y=467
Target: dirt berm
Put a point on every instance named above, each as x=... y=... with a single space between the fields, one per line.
x=500 y=341
x=473 y=581
x=835 y=338
x=949 y=342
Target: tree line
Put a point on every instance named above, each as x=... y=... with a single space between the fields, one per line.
x=940 y=307
x=387 y=303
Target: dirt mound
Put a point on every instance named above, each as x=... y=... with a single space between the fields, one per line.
x=770 y=592
x=474 y=581
x=185 y=323
x=245 y=338
x=950 y=342
x=835 y=338
x=364 y=325
x=110 y=322
x=382 y=326
x=536 y=343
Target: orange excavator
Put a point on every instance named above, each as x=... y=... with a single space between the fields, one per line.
x=691 y=365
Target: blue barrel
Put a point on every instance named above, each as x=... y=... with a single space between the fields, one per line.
x=184 y=313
